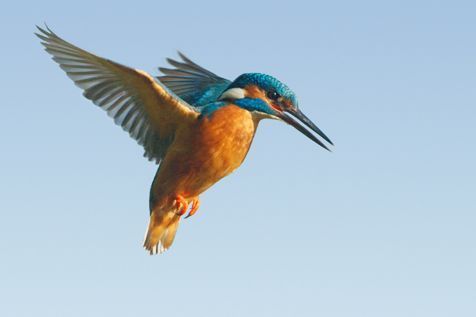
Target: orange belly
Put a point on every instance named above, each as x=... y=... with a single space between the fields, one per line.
x=202 y=155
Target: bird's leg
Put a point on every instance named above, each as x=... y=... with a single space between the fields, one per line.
x=182 y=205
x=195 y=206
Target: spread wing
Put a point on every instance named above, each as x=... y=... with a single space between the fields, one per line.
x=142 y=106
x=192 y=83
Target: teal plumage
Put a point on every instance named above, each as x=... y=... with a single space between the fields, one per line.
x=193 y=83
x=200 y=87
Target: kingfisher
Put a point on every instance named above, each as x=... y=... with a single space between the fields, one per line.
x=197 y=126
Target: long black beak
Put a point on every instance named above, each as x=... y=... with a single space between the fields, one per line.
x=302 y=117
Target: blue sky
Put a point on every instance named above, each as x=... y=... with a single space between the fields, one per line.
x=383 y=226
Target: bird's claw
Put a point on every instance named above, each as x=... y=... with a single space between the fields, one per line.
x=195 y=205
x=182 y=205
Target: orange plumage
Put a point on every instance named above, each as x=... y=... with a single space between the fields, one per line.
x=199 y=157
x=199 y=132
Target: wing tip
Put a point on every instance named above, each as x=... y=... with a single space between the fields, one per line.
x=45 y=30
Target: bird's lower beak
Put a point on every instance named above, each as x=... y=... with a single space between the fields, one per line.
x=296 y=113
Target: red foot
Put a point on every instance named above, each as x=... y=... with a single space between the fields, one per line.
x=195 y=206
x=182 y=205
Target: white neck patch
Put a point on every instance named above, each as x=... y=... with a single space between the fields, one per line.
x=233 y=93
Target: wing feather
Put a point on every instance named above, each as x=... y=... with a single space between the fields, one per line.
x=193 y=83
x=143 y=107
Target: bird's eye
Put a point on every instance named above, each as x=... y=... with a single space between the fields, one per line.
x=273 y=95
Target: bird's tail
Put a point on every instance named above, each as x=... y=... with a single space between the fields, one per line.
x=161 y=232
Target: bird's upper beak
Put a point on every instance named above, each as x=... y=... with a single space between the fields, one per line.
x=297 y=113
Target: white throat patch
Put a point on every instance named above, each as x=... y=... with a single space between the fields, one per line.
x=233 y=93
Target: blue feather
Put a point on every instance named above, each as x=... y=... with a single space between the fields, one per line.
x=266 y=82
x=212 y=107
x=249 y=104
x=193 y=83
x=201 y=88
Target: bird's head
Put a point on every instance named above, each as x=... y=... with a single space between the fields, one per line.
x=267 y=97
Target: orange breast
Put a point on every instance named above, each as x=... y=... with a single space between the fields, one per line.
x=205 y=153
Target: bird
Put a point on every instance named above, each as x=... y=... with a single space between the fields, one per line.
x=196 y=125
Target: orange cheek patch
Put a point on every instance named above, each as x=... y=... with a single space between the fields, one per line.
x=253 y=91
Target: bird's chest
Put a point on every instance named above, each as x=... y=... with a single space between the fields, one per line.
x=214 y=148
x=223 y=139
